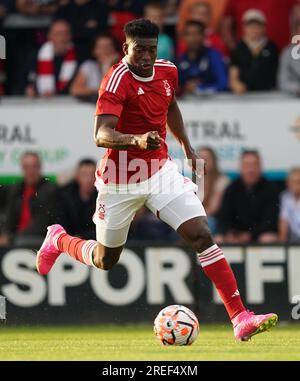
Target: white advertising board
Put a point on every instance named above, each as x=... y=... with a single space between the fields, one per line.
x=62 y=131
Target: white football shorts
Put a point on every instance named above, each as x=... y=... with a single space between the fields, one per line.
x=168 y=194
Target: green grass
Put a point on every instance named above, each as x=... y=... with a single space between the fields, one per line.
x=107 y=342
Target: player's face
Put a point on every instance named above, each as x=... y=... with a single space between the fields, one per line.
x=250 y=169
x=141 y=54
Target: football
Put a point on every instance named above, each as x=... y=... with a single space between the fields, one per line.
x=176 y=325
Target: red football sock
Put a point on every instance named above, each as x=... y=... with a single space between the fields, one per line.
x=220 y=273
x=78 y=248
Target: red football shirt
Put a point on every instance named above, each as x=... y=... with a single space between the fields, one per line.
x=277 y=12
x=142 y=106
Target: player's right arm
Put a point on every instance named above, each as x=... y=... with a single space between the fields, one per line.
x=110 y=104
x=106 y=136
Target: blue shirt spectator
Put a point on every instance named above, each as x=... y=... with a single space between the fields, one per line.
x=201 y=69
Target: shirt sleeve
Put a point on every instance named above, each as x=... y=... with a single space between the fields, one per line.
x=111 y=99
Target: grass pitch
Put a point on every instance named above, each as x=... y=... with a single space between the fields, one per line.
x=107 y=342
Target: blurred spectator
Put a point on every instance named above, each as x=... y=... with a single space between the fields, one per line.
x=201 y=69
x=217 y=9
x=90 y=73
x=37 y=7
x=2 y=77
x=214 y=185
x=278 y=14
x=87 y=18
x=31 y=203
x=254 y=61
x=249 y=208
x=147 y=227
x=3 y=203
x=155 y=12
x=201 y=11
x=136 y=7
x=77 y=201
x=289 y=220
x=289 y=69
x=54 y=66
x=172 y=7
x=122 y=12
x=6 y=6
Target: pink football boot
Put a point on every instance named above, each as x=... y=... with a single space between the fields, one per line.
x=49 y=252
x=247 y=324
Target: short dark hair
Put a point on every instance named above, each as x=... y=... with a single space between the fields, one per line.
x=198 y=24
x=86 y=161
x=253 y=152
x=141 y=28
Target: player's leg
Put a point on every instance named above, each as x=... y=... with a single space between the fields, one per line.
x=113 y=216
x=88 y=252
x=103 y=253
x=110 y=245
x=187 y=216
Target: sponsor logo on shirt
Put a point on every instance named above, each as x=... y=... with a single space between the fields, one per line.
x=140 y=91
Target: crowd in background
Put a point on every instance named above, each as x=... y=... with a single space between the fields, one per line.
x=218 y=45
x=233 y=46
x=247 y=209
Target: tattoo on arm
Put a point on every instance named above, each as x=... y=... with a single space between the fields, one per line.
x=106 y=136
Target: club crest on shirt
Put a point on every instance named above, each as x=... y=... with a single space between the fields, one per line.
x=167 y=88
x=101 y=211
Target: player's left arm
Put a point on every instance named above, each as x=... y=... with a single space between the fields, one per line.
x=176 y=126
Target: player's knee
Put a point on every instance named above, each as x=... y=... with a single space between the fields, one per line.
x=201 y=238
x=107 y=264
x=104 y=260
